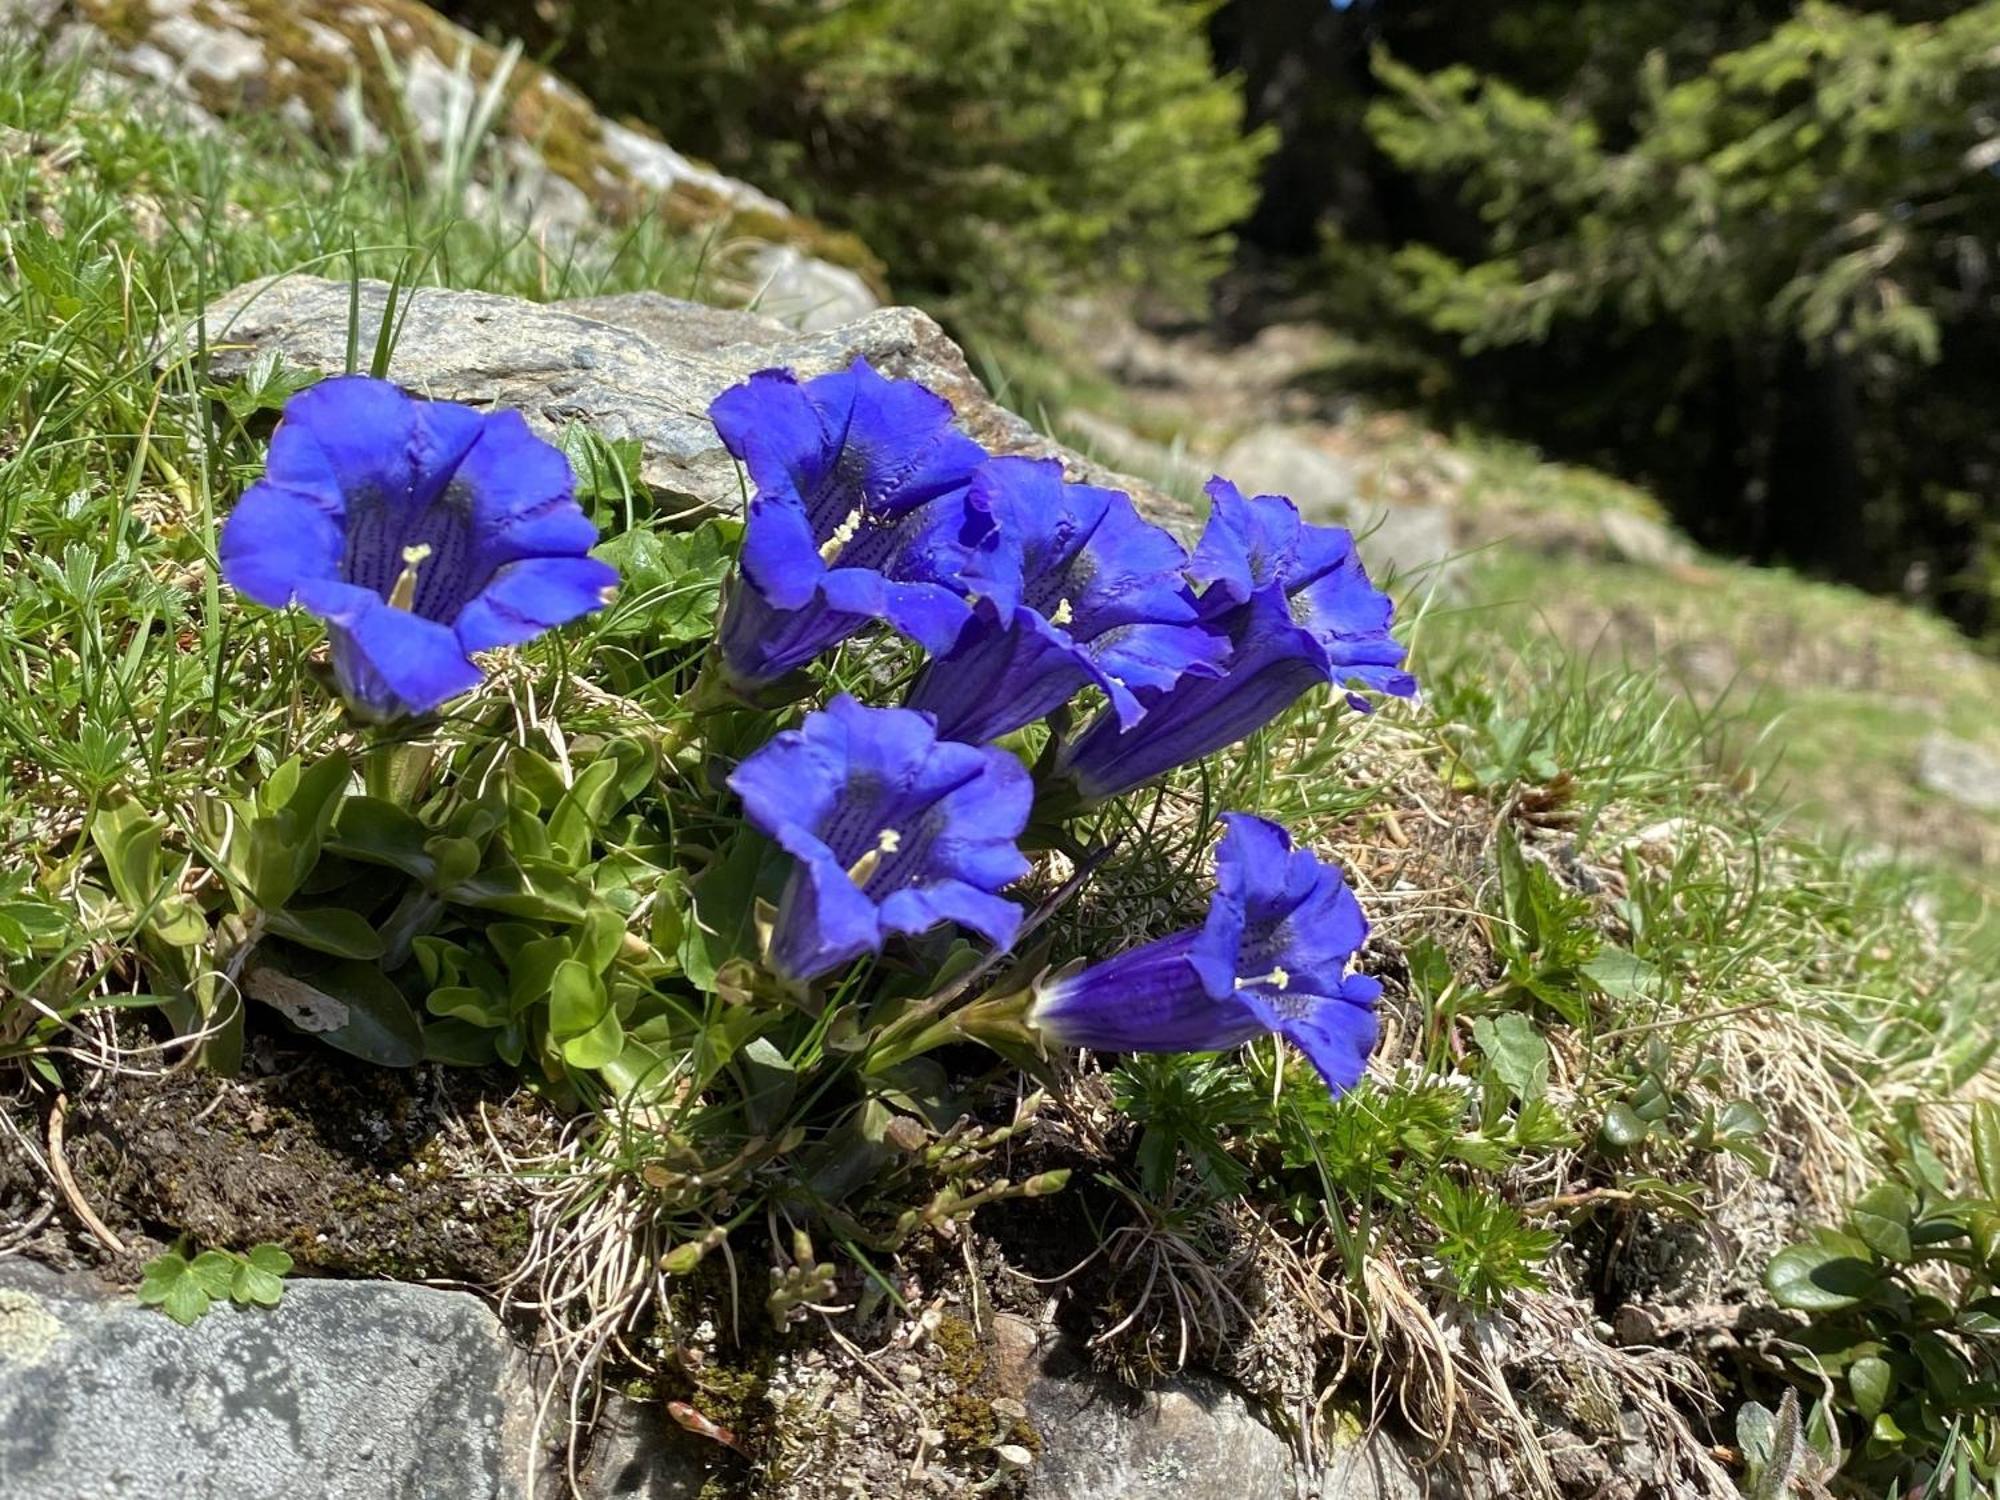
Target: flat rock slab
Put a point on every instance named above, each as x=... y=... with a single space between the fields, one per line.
x=640 y=366
x=1191 y=1441
x=345 y=1391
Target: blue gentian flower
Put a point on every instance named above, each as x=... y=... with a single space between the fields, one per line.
x=420 y=531
x=1272 y=956
x=892 y=829
x=1296 y=608
x=1079 y=590
x=859 y=515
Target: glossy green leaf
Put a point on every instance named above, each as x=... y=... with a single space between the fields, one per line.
x=1622 y=1128
x=330 y=929
x=578 y=1001
x=461 y=1044
x=368 y=1017
x=1871 y=1381
x=600 y=1045
x=1986 y=1147
x=381 y=833
x=1881 y=1220
x=1819 y=1277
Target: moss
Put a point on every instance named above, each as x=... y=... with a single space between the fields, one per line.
x=964 y=1413
x=124 y=22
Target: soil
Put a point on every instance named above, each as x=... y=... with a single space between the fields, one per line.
x=353 y=1170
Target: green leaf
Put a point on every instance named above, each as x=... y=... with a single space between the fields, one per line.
x=597 y=1047
x=284 y=840
x=1871 y=1380
x=1622 y=1128
x=1740 y=1120
x=600 y=937
x=1517 y=1051
x=1881 y=1219
x=215 y=1270
x=535 y=891
x=578 y=1001
x=378 y=832
x=461 y=1044
x=464 y=1003
x=533 y=970
x=454 y=861
x=170 y=1283
x=258 y=1284
x=1986 y=1146
x=1820 y=1277
x=1621 y=975
x=724 y=924
x=327 y=929
x=770 y=1082
x=350 y=1005
x=129 y=843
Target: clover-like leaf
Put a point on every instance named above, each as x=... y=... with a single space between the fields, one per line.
x=259 y=1276
x=183 y=1289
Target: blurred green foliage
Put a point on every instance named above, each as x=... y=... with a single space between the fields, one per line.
x=985 y=149
x=1772 y=263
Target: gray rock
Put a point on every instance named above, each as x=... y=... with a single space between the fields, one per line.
x=345 y=1391
x=643 y=367
x=807 y=293
x=1959 y=770
x=657 y=167
x=1283 y=461
x=1375 y=1468
x=1403 y=542
x=1642 y=540
x=1192 y=1440
x=1124 y=449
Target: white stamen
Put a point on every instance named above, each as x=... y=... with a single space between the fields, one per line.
x=1063 y=615
x=1278 y=979
x=842 y=535
x=403 y=594
x=888 y=841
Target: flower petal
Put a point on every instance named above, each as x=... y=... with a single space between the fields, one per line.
x=356 y=438
x=1336 y=1032
x=780 y=556
x=919 y=908
x=275 y=540
x=823 y=921
x=1147 y=999
x=531 y=596
x=521 y=493
x=388 y=661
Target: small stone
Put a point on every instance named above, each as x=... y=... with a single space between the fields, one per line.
x=1959 y=771
x=1643 y=541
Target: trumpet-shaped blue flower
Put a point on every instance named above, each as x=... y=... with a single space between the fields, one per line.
x=860 y=515
x=892 y=829
x=420 y=531
x=1078 y=590
x=1295 y=607
x=1272 y=956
